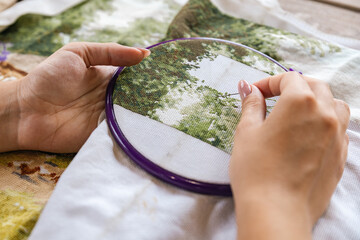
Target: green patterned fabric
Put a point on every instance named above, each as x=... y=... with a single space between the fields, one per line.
x=201 y=18
x=41 y=35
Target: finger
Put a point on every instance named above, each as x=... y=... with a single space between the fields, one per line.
x=326 y=99
x=253 y=105
x=289 y=83
x=343 y=113
x=107 y=53
x=322 y=92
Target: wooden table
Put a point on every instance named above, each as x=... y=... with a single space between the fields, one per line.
x=339 y=17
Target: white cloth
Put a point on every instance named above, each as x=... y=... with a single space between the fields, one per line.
x=342 y=218
x=104 y=195
x=47 y=8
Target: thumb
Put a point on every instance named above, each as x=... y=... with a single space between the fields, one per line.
x=253 y=105
x=107 y=53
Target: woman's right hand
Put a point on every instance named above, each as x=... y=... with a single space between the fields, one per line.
x=284 y=168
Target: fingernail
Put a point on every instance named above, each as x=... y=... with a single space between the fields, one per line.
x=244 y=89
x=146 y=52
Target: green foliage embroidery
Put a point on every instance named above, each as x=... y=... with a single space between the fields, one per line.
x=163 y=81
x=202 y=18
x=41 y=35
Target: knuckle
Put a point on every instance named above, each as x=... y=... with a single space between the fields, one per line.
x=251 y=103
x=309 y=100
x=344 y=105
x=305 y=100
x=72 y=45
x=330 y=122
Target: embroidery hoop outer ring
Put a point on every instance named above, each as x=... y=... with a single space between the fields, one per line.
x=149 y=166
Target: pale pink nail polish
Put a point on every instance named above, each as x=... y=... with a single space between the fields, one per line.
x=244 y=89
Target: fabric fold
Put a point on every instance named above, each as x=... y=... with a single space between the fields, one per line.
x=46 y=8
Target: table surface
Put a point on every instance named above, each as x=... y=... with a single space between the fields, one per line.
x=338 y=17
x=349 y=4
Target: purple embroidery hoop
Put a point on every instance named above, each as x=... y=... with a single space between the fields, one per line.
x=149 y=166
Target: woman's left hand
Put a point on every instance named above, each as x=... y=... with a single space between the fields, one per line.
x=61 y=100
